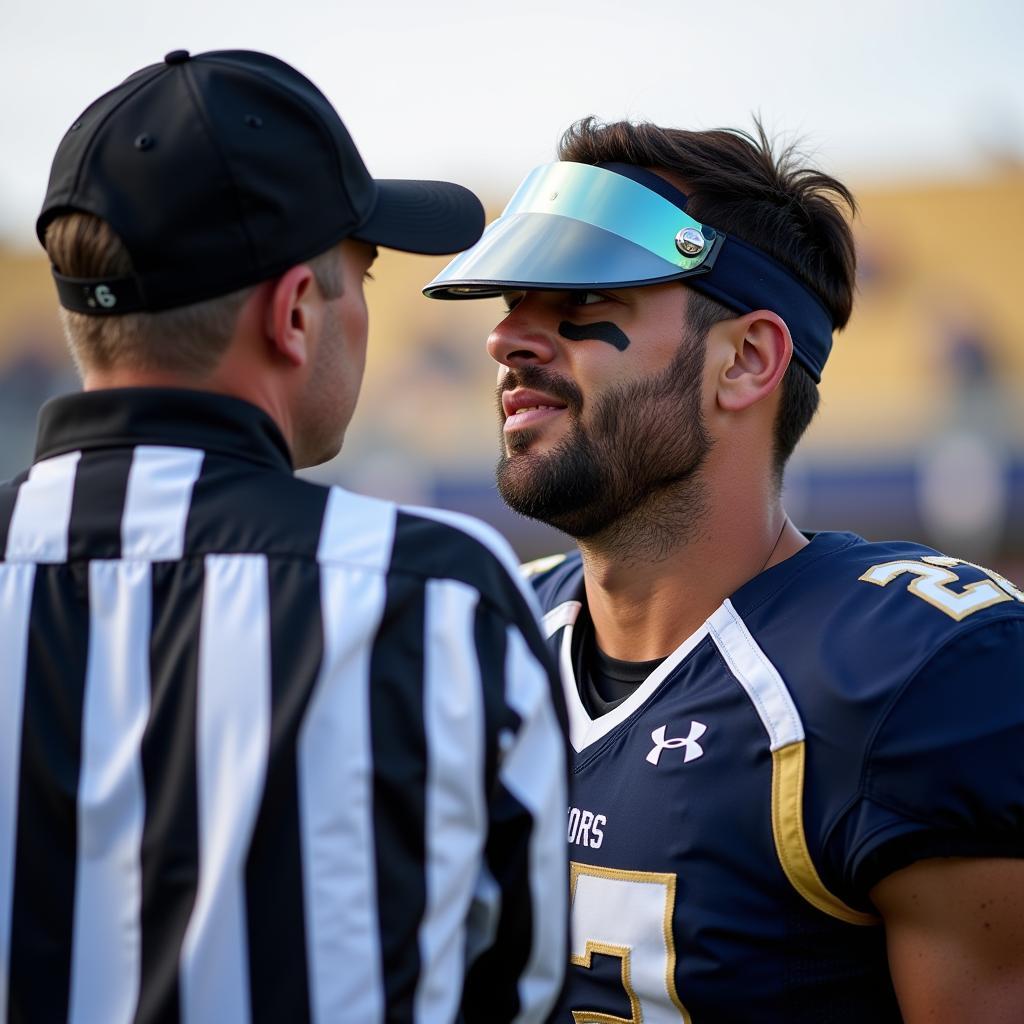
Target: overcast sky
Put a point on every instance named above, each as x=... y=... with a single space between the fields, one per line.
x=480 y=92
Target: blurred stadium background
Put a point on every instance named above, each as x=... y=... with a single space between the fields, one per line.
x=919 y=106
x=921 y=431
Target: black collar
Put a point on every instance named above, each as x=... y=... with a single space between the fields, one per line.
x=123 y=417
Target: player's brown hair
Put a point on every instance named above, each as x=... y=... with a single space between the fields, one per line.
x=740 y=183
x=189 y=340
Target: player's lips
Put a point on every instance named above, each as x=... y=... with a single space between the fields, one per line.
x=526 y=408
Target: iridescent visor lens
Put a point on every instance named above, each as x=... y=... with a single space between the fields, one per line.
x=572 y=225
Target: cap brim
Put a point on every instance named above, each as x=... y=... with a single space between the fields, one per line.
x=430 y=217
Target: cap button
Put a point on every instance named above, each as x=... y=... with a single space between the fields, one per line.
x=177 y=57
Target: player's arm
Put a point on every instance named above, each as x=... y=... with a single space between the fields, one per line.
x=938 y=845
x=955 y=935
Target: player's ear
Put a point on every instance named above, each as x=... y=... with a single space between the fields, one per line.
x=290 y=313
x=754 y=351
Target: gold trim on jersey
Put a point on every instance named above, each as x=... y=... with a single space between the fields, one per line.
x=666 y=879
x=791 y=842
x=780 y=717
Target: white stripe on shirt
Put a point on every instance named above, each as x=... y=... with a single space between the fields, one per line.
x=335 y=779
x=157 y=501
x=233 y=737
x=456 y=814
x=107 y=939
x=38 y=531
x=357 y=530
x=16 y=586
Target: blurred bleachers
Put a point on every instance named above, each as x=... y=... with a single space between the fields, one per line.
x=921 y=432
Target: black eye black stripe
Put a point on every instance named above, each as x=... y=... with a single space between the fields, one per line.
x=603 y=331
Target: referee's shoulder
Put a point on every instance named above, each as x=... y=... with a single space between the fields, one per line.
x=426 y=542
x=440 y=544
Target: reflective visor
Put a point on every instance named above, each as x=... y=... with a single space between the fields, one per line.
x=572 y=226
x=577 y=226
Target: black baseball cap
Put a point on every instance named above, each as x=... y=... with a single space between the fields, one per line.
x=225 y=169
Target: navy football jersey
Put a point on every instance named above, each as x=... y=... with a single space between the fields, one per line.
x=847 y=712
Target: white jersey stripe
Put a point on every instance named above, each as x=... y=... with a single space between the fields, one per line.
x=534 y=772
x=456 y=813
x=580 y=722
x=233 y=738
x=758 y=676
x=561 y=615
x=335 y=774
x=106 y=946
x=357 y=530
x=42 y=512
x=584 y=730
x=156 y=506
x=16 y=585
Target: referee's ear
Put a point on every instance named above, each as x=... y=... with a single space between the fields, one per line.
x=291 y=314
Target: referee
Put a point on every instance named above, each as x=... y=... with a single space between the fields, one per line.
x=269 y=751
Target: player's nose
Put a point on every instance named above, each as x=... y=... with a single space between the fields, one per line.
x=521 y=338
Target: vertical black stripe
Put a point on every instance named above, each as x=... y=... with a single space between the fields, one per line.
x=278 y=972
x=101 y=483
x=47 y=837
x=398 y=738
x=492 y=992
x=490 y=637
x=8 y=496
x=235 y=510
x=170 y=836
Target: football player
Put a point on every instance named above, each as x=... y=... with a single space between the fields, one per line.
x=798 y=783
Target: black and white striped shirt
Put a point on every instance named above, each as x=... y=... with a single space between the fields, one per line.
x=269 y=751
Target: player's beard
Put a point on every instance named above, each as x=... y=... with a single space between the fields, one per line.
x=640 y=451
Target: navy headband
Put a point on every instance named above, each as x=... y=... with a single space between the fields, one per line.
x=744 y=278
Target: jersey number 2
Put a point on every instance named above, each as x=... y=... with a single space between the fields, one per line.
x=932 y=579
x=628 y=914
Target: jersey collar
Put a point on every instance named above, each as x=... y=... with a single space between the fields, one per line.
x=123 y=417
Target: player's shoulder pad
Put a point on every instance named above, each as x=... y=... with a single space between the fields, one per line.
x=902 y=597
x=555 y=579
x=956 y=587
x=540 y=565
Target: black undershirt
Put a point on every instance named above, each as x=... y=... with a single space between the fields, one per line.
x=603 y=682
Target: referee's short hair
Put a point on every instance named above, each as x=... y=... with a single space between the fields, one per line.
x=187 y=340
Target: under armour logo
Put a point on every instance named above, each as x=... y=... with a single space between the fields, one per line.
x=693 y=748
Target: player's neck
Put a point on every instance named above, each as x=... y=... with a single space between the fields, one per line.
x=645 y=601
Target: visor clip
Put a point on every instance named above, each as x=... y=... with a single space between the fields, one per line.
x=690 y=242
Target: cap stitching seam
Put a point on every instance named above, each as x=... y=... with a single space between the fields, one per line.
x=211 y=136
x=91 y=144
x=310 y=109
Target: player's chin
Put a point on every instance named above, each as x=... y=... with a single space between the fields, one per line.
x=519 y=442
x=537 y=441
